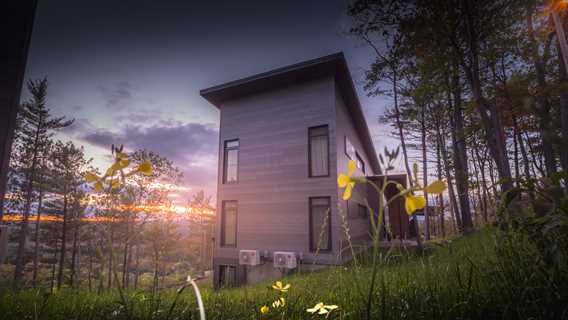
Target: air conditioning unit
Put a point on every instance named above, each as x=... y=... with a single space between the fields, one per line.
x=249 y=257
x=285 y=259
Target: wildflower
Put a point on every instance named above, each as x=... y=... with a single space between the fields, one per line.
x=279 y=303
x=322 y=308
x=413 y=203
x=346 y=181
x=110 y=178
x=279 y=287
x=264 y=309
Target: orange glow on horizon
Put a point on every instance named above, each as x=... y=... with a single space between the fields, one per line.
x=158 y=211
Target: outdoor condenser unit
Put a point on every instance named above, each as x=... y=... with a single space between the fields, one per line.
x=285 y=259
x=249 y=257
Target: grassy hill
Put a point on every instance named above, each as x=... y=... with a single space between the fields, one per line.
x=487 y=275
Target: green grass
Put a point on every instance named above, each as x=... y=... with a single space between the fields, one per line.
x=483 y=276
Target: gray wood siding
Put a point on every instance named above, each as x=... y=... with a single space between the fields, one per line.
x=274 y=187
x=358 y=226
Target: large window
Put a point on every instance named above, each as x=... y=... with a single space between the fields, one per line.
x=320 y=224
x=229 y=224
x=231 y=161
x=319 y=151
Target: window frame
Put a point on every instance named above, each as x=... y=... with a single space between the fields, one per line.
x=223 y=243
x=225 y=158
x=310 y=175
x=313 y=246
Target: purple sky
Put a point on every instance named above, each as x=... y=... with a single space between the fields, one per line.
x=130 y=71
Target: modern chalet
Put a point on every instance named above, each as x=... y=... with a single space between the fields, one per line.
x=285 y=135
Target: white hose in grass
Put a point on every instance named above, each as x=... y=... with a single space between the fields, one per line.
x=198 y=296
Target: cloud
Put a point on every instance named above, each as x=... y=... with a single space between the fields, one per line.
x=191 y=146
x=118 y=95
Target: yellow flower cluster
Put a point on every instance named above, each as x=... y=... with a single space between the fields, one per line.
x=115 y=172
x=281 y=301
x=320 y=308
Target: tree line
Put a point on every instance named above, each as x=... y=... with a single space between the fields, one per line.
x=479 y=92
x=49 y=178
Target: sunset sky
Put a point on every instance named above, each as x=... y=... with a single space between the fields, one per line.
x=130 y=71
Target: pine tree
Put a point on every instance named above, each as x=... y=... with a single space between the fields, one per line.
x=36 y=127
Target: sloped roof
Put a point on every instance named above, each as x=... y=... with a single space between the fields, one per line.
x=332 y=65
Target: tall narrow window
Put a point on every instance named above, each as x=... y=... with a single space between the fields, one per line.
x=319 y=151
x=231 y=161
x=229 y=224
x=360 y=163
x=320 y=224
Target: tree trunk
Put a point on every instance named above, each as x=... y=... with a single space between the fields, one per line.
x=36 y=244
x=156 y=274
x=490 y=118
x=482 y=183
x=535 y=161
x=53 y=265
x=516 y=155
x=542 y=111
x=110 y=259
x=74 y=254
x=425 y=173
x=137 y=265
x=563 y=112
x=453 y=201
x=19 y=270
x=460 y=153
x=440 y=196
x=400 y=127
x=90 y=269
x=63 y=244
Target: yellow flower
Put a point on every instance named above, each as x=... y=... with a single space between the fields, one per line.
x=346 y=181
x=413 y=203
x=264 y=309
x=145 y=168
x=436 y=187
x=98 y=186
x=278 y=286
x=279 y=303
x=322 y=308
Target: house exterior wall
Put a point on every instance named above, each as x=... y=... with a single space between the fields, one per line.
x=359 y=225
x=274 y=188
